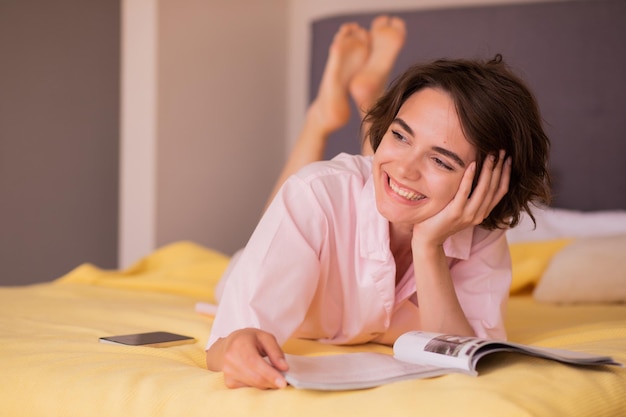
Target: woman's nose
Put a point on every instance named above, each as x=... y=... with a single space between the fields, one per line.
x=410 y=166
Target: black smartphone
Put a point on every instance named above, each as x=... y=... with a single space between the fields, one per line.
x=154 y=339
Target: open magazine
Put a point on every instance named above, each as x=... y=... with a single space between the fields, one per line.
x=416 y=355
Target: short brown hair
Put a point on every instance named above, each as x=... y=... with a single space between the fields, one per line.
x=496 y=110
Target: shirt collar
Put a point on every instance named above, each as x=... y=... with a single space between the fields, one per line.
x=372 y=227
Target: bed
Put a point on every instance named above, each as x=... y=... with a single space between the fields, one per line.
x=568 y=289
x=53 y=365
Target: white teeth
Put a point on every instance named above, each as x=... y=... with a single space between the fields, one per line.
x=409 y=195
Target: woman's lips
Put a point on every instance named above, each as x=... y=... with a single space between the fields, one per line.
x=404 y=192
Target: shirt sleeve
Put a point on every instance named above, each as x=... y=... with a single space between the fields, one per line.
x=275 y=278
x=482 y=282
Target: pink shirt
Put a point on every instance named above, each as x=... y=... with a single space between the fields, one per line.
x=318 y=265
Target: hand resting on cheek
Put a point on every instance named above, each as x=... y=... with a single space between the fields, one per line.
x=468 y=208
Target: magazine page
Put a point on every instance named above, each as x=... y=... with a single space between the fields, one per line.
x=437 y=349
x=561 y=355
x=353 y=371
x=465 y=352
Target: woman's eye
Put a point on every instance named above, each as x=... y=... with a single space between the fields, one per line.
x=398 y=136
x=442 y=164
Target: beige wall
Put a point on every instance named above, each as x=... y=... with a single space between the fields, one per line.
x=203 y=116
x=221 y=117
x=137 y=186
x=212 y=109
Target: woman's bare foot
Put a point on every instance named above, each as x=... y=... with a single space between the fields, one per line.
x=387 y=35
x=347 y=55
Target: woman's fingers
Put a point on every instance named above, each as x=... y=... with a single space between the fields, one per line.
x=244 y=363
x=470 y=207
x=503 y=185
x=492 y=185
x=498 y=184
x=257 y=373
x=273 y=352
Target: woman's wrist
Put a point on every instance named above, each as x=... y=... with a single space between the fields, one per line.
x=426 y=248
x=214 y=360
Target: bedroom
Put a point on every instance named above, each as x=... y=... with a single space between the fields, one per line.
x=195 y=200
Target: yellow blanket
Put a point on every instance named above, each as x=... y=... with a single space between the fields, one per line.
x=53 y=365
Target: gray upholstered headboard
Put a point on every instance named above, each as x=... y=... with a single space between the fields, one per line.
x=571 y=53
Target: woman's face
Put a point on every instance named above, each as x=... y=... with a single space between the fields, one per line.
x=421 y=159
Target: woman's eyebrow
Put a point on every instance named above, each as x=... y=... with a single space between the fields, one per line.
x=404 y=126
x=449 y=154
x=439 y=149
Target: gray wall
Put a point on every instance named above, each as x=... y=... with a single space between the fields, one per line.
x=59 y=94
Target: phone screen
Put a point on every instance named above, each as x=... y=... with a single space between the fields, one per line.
x=154 y=339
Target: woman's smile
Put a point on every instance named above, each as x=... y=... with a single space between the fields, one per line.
x=404 y=192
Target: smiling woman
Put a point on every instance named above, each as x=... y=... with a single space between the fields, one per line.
x=365 y=248
x=486 y=106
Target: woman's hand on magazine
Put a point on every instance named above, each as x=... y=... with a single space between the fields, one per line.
x=241 y=357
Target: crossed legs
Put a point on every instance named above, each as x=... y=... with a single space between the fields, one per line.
x=358 y=66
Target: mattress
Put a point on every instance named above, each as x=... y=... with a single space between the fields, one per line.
x=53 y=364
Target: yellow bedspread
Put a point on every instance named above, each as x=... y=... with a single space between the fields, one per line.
x=53 y=365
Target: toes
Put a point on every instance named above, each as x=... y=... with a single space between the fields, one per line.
x=386 y=21
x=397 y=23
x=380 y=21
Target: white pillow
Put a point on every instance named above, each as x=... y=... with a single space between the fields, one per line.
x=554 y=223
x=589 y=270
